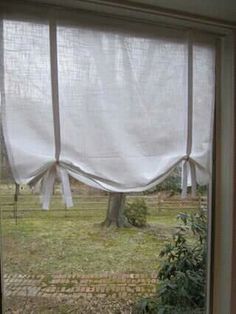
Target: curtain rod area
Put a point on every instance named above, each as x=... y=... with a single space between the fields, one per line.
x=125 y=6
x=157 y=10
x=113 y=10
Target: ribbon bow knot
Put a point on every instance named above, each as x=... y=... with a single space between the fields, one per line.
x=47 y=181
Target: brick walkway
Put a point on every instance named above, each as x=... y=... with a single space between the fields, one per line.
x=77 y=286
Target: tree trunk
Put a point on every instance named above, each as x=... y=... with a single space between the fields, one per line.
x=115 y=211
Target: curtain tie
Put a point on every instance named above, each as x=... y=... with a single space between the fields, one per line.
x=48 y=182
x=189 y=168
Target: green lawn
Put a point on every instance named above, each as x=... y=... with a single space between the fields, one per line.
x=59 y=241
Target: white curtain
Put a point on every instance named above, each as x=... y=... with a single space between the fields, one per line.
x=116 y=109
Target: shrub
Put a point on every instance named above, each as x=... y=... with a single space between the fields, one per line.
x=172 y=184
x=182 y=274
x=136 y=213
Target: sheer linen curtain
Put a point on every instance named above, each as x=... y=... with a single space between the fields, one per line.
x=117 y=109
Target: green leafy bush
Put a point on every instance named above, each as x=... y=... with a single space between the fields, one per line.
x=136 y=213
x=172 y=184
x=182 y=274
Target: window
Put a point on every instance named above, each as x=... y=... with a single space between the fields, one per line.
x=47 y=195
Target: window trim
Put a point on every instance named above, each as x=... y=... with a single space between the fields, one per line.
x=233 y=247
x=222 y=215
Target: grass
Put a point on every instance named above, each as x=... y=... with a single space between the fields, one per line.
x=62 y=241
x=76 y=245
x=72 y=241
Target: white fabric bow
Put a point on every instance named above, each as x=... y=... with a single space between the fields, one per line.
x=47 y=180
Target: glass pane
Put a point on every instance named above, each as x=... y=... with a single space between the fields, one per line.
x=110 y=252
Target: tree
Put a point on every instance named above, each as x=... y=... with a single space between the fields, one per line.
x=115 y=211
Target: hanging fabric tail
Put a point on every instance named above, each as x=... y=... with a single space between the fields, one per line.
x=188 y=178
x=47 y=187
x=193 y=178
x=184 y=179
x=65 y=184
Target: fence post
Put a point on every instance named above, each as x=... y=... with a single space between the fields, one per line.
x=17 y=187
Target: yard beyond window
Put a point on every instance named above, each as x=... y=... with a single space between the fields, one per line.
x=62 y=261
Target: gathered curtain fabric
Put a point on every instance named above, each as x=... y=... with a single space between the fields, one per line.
x=115 y=109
